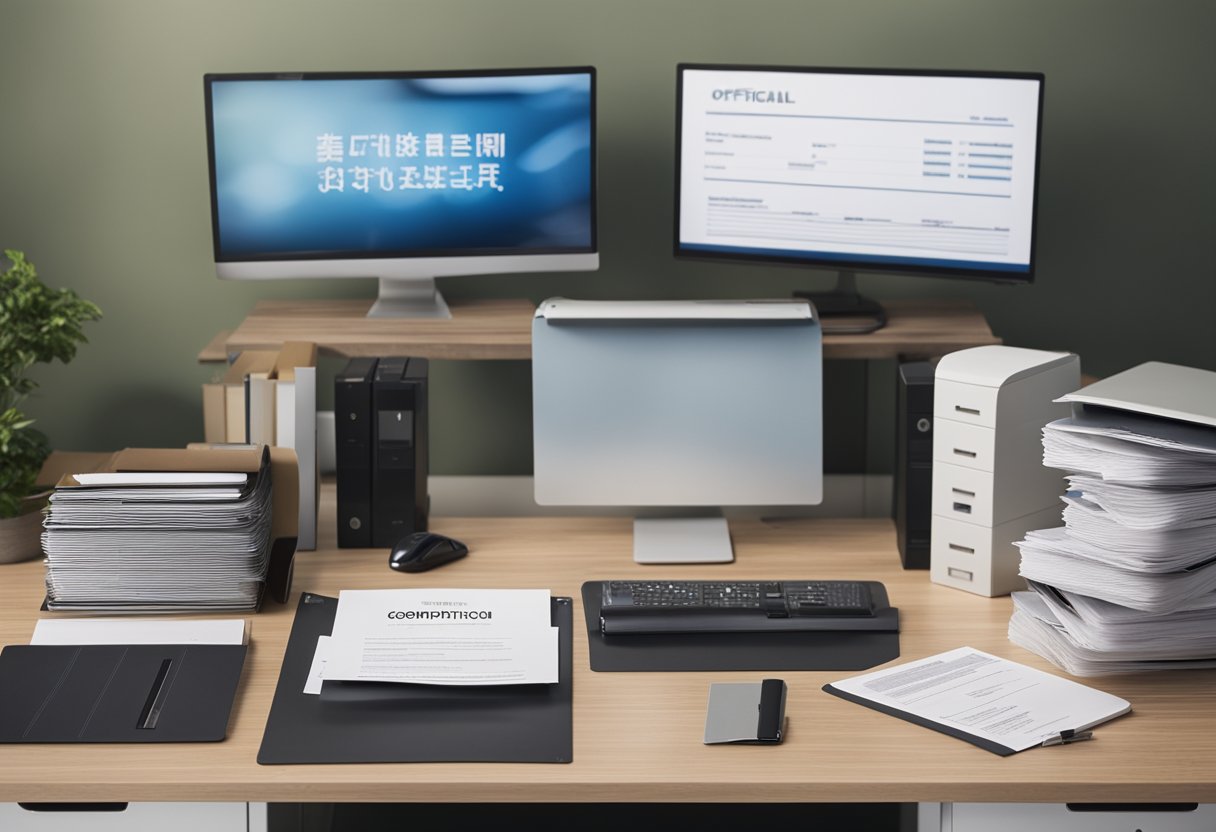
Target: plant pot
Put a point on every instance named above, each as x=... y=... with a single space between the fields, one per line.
x=21 y=536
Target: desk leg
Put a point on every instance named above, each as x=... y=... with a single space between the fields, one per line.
x=258 y=821
x=934 y=817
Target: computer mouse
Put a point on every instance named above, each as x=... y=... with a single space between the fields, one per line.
x=425 y=550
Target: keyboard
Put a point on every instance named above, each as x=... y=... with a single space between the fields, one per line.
x=641 y=607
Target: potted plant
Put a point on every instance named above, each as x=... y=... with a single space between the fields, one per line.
x=37 y=325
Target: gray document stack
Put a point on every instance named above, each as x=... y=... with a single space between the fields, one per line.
x=1128 y=584
x=149 y=542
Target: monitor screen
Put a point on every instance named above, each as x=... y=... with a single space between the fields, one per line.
x=909 y=171
x=402 y=176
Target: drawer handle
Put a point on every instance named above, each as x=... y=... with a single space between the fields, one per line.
x=962 y=507
x=963 y=493
x=961 y=574
x=968 y=454
x=970 y=411
x=965 y=549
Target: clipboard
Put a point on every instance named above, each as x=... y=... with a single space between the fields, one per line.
x=1004 y=700
x=384 y=722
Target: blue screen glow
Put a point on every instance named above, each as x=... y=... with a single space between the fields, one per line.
x=401 y=166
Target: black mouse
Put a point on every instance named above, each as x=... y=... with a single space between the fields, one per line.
x=425 y=550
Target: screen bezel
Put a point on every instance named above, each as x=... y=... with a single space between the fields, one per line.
x=395 y=254
x=850 y=263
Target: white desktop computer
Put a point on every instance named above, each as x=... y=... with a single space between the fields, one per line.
x=675 y=406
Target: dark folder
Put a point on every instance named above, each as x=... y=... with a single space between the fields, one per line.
x=384 y=722
x=118 y=693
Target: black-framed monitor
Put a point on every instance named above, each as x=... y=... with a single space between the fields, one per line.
x=402 y=176
x=922 y=172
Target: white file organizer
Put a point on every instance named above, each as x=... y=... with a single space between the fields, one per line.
x=989 y=483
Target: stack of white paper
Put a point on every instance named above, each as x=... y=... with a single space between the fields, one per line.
x=1052 y=557
x=1129 y=582
x=1092 y=638
x=1143 y=508
x=155 y=542
x=1128 y=447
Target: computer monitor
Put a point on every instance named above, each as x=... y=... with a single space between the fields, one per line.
x=664 y=407
x=402 y=176
x=912 y=171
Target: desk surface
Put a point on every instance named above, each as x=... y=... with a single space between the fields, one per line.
x=637 y=736
x=502 y=329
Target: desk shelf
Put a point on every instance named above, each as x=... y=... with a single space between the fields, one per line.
x=502 y=329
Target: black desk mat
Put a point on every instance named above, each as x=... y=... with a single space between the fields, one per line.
x=835 y=650
x=377 y=722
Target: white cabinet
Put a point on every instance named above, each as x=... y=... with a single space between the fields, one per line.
x=136 y=817
x=1059 y=817
x=989 y=483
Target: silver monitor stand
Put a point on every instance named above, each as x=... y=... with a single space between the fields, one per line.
x=681 y=540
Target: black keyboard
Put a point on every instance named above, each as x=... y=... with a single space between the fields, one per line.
x=733 y=606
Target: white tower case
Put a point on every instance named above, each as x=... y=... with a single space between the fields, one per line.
x=989 y=483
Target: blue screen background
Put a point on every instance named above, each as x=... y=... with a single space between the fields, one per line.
x=268 y=177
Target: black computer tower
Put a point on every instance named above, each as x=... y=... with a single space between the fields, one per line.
x=914 y=463
x=352 y=449
x=399 y=449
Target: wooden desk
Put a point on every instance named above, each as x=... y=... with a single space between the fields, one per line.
x=637 y=736
x=502 y=329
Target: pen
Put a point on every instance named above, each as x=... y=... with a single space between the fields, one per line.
x=1067 y=737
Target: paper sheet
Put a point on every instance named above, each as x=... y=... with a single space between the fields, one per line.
x=78 y=631
x=444 y=637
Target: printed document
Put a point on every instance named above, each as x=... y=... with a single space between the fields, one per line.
x=443 y=637
x=974 y=695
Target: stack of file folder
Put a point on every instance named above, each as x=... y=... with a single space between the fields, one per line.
x=1128 y=584
x=168 y=531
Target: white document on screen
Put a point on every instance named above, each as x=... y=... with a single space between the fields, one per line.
x=443 y=637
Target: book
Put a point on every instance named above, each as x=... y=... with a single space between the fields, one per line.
x=234 y=381
x=295 y=371
x=260 y=408
x=214 y=412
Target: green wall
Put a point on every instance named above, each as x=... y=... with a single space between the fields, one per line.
x=103 y=178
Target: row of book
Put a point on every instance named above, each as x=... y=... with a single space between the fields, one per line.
x=1128 y=583
x=269 y=397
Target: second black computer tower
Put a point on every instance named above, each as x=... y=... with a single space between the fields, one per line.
x=399 y=449
x=380 y=433
x=352 y=449
x=914 y=463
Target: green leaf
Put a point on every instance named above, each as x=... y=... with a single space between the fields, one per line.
x=37 y=325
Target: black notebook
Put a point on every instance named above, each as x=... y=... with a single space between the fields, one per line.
x=118 y=693
x=386 y=722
